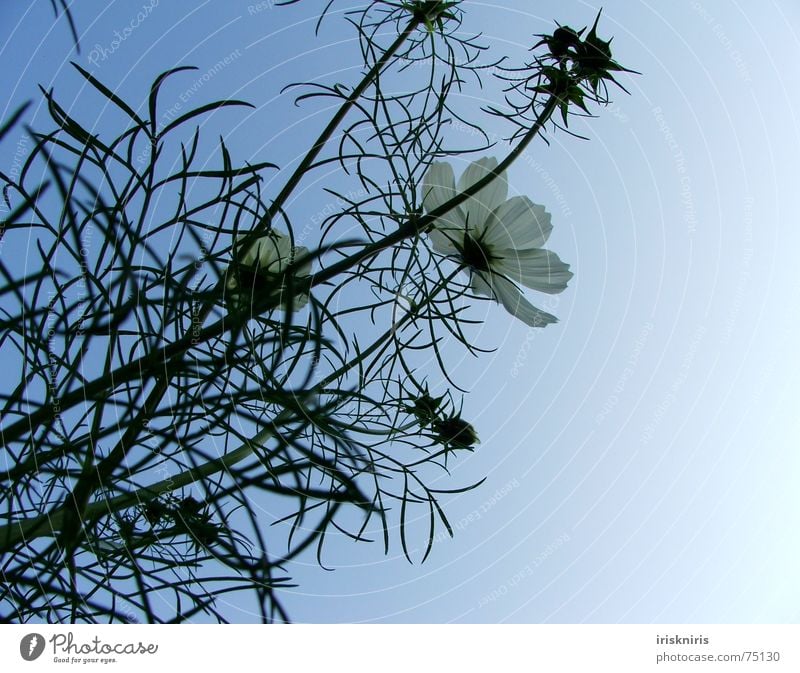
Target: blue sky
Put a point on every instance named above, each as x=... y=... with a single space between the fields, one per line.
x=641 y=455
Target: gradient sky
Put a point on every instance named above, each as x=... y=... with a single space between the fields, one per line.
x=642 y=454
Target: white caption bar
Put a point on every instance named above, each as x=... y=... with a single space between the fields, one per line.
x=402 y=648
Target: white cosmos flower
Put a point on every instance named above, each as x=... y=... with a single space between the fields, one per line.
x=498 y=239
x=257 y=269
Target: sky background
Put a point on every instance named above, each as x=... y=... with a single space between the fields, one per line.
x=641 y=455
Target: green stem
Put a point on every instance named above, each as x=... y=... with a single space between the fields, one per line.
x=168 y=357
x=82 y=491
x=326 y=134
x=48 y=524
x=17 y=531
x=164 y=358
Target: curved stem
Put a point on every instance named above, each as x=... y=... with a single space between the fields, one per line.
x=165 y=356
x=326 y=134
x=93 y=477
x=49 y=524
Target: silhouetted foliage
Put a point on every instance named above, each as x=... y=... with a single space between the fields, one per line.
x=172 y=374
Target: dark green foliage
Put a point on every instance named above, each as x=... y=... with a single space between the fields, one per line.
x=148 y=418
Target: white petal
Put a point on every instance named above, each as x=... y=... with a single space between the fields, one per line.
x=265 y=253
x=518 y=223
x=443 y=240
x=476 y=209
x=518 y=306
x=285 y=253
x=504 y=291
x=300 y=301
x=495 y=192
x=438 y=185
x=475 y=216
x=481 y=286
x=270 y=252
x=247 y=256
x=300 y=252
x=535 y=268
x=438 y=188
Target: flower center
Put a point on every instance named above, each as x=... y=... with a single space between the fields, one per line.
x=475 y=255
x=255 y=281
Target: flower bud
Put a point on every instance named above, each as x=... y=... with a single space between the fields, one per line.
x=425 y=408
x=455 y=433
